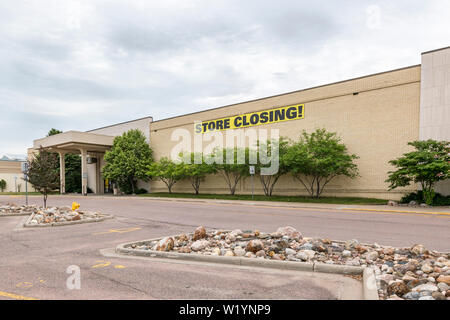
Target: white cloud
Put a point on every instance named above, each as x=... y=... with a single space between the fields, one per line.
x=80 y=65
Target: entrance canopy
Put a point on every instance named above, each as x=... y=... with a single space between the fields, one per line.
x=77 y=142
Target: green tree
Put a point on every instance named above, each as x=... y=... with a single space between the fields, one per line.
x=128 y=160
x=43 y=173
x=167 y=171
x=235 y=169
x=2 y=185
x=196 y=172
x=53 y=132
x=73 y=173
x=426 y=165
x=317 y=158
x=73 y=168
x=272 y=149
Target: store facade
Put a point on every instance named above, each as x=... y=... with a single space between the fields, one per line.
x=376 y=116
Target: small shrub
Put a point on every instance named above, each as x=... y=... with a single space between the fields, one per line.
x=141 y=191
x=438 y=200
x=2 y=185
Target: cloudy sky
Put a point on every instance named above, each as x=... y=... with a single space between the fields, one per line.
x=79 y=65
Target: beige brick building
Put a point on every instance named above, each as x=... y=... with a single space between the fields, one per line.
x=11 y=172
x=376 y=116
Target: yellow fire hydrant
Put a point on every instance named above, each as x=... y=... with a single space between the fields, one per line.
x=75 y=206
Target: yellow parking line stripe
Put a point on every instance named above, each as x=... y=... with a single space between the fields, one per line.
x=102 y=264
x=398 y=211
x=117 y=231
x=24 y=285
x=15 y=296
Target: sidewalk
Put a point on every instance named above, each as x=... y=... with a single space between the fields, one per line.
x=273 y=204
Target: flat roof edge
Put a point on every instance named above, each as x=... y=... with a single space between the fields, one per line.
x=435 y=50
x=296 y=91
x=117 y=124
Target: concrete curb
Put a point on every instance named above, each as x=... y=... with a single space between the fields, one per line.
x=339 y=269
x=370 y=290
x=15 y=214
x=64 y=223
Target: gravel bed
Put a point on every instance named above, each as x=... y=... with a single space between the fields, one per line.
x=63 y=216
x=10 y=209
x=412 y=273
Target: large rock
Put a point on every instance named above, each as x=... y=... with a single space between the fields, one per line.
x=302 y=256
x=165 y=244
x=229 y=253
x=397 y=288
x=239 y=252
x=199 y=245
x=412 y=296
x=351 y=244
x=427 y=268
x=290 y=232
x=426 y=298
x=290 y=251
x=184 y=250
x=406 y=278
x=346 y=253
x=199 y=233
x=261 y=253
x=216 y=252
x=426 y=287
x=438 y=295
x=392 y=203
x=306 y=246
x=230 y=237
x=254 y=246
x=444 y=279
x=418 y=249
x=372 y=256
x=281 y=244
x=236 y=232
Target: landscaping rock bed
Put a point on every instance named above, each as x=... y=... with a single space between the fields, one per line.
x=411 y=204
x=11 y=209
x=56 y=216
x=413 y=273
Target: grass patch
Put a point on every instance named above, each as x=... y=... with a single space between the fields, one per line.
x=295 y=199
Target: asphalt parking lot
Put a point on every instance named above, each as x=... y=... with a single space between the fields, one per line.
x=35 y=260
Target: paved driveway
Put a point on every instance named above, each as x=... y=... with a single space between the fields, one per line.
x=35 y=260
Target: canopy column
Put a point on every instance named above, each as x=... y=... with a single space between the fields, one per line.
x=84 y=174
x=62 y=172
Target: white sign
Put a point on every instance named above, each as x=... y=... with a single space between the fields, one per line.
x=252 y=169
x=24 y=167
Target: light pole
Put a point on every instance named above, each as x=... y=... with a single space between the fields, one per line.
x=25 y=177
x=252 y=173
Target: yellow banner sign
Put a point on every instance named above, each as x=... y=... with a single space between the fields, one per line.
x=280 y=114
